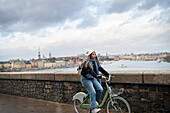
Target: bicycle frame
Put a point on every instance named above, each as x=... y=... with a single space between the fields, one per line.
x=87 y=106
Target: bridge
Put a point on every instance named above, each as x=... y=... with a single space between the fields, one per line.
x=146 y=91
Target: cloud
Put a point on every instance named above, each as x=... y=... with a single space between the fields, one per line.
x=28 y=16
x=119 y=6
x=148 y=4
x=32 y=16
x=72 y=27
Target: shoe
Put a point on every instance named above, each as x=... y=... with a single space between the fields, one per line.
x=97 y=103
x=95 y=110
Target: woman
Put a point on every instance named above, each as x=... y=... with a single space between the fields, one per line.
x=91 y=79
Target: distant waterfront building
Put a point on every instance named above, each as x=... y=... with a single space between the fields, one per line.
x=7 y=64
x=81 y=55
x=60 y=63
x=27 y=64
x=34 y=63
x=107 y=54
x=50 y=55
x=18 y=64
x=1 y=65
x=49 y=64
x=39 y=56
x=149 y=57
x=40 y=64
x=126 y=57
x=44 y=57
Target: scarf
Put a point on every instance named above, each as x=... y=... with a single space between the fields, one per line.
x=97 y=69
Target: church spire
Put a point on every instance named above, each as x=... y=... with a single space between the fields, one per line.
x=50 y=55
x=39 y=56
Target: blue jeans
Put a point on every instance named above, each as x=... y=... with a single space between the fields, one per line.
x=94 y=89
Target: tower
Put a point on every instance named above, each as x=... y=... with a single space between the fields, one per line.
x=50 y=55
x=39 y=56
x=107 y=54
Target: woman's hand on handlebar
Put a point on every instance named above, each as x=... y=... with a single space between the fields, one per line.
x=101 y=76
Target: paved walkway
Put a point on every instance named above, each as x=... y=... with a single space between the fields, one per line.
x=16 y=104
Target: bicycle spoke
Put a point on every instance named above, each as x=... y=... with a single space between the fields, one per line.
x=77 y=107
x=118 y=105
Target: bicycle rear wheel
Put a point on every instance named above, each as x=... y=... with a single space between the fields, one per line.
x=77 y=108
x=117 y=105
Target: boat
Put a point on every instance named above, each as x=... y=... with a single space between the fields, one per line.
x=122 y=66
x=158 y=60
x=106 y=62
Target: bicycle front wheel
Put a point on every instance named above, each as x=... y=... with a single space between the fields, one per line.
x=77 y=108
x=117 y=105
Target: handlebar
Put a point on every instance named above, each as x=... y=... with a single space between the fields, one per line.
x=107 y=80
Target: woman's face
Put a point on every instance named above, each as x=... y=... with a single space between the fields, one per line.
x=93 y=55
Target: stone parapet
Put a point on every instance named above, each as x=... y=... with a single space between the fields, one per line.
x=146 y=91
x=157 y=77
x=147 y=77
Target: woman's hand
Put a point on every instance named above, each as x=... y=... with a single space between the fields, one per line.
x=99 y=76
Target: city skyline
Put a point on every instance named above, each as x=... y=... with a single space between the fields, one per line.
x=49 y=56
x=73 y=27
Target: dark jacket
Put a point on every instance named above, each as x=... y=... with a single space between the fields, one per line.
x=89 y=70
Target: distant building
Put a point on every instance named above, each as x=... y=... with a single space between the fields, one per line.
x=44 y=57
x=50 y=55
x=81 y=55
x=1 y=65
x=28 y=65
x=34 y=64
x=40 y=64
x=147 y=57
x=50 y=64
x=18 y=64
x=39 y=56
x=59 y=58
x=126 y=57
x=73 y=61
x=60 y=63
x=7 y=65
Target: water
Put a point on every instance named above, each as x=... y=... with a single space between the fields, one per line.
x=137 y=65
x=123 y=65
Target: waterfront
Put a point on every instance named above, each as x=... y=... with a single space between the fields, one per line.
x=126 y=65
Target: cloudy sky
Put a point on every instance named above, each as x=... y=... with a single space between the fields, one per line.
x=71 y=27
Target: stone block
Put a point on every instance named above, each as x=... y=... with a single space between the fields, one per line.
x=67 y=77
x=126 y=77
x=60 y=77
x=4 y=75
x=28 y=76
x=157 y=77
x=45 y=76
x=15 y=76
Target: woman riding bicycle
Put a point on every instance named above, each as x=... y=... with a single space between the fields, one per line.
x=91 y=79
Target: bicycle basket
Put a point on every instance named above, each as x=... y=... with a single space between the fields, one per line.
x=116 y=91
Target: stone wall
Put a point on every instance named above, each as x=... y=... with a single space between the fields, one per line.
x=146 y=92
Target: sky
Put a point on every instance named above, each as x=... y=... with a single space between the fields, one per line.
x=72 y=27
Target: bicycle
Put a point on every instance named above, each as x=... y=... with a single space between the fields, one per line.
x=114 y=103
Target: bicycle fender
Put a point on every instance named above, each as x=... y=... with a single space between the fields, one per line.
x=79 y=96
